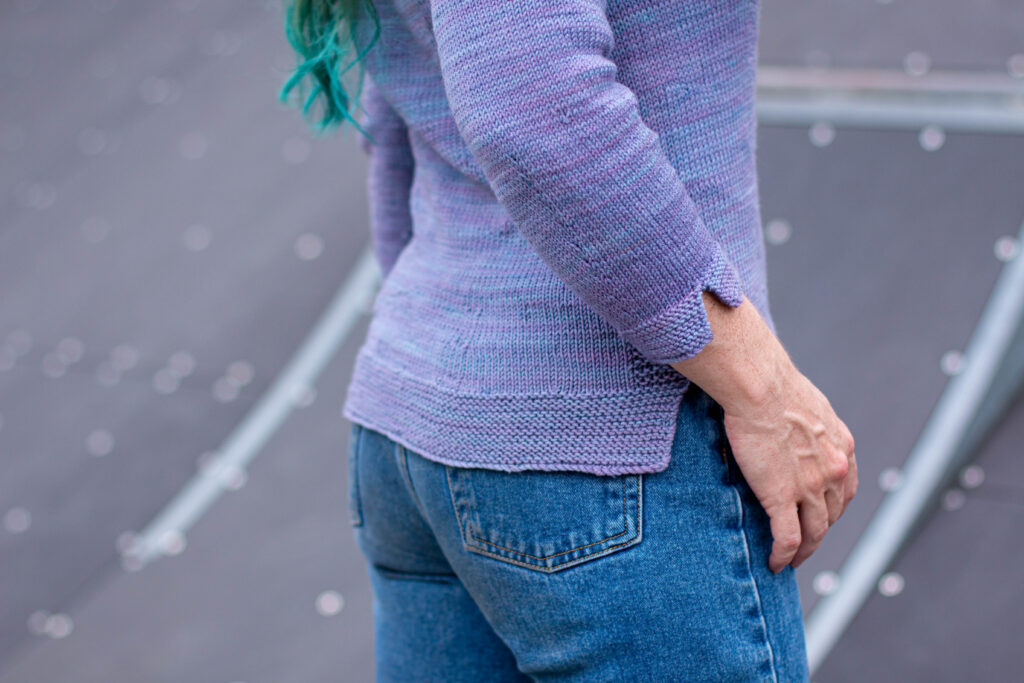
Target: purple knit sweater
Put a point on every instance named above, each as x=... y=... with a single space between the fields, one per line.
x=552 y=185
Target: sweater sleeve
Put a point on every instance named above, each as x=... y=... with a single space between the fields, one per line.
x=389 y=175
x=534 y=95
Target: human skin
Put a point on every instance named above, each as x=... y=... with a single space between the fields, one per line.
x=794 y=451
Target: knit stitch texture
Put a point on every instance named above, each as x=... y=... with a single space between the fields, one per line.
x=552 y=184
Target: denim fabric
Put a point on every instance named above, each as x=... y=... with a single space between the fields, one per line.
x=484 y=575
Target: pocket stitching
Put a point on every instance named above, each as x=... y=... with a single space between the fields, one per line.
x=635 y=539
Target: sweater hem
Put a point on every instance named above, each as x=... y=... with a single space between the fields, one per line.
x=628 y=432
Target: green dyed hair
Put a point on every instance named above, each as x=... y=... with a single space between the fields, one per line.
x=321 y=32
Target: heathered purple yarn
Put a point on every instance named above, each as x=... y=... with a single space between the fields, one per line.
x=553 y=184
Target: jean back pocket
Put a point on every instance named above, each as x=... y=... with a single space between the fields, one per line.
x=546 y=521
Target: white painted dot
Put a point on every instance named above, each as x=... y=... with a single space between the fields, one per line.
x=232 y=477
x=295 y=150
x=36 y=195
x=329 y=603
x=100 y=442
x=778 y=231
x=931 y=138
x=954 y=499
x=224 y=390
x=1015 y=65
x=241 y=372
x=197 y=237
x=825 y=582
x=59 y=626
x=37 y=622
x=1006 y=248
x=95 y=229
x=124 y=356
x=165 y=381
x=952 y=362
x=130 y=546
x=172 y=542
x=70 y=349
x=131 y=562
x=17 y=520
x=127 y=541
x=822 y=133
x=182 y=363
x=193 y=146
x=891 y=584
x=53 y=366
x=890 y=479
x=972 y=476
x=309 y=246
x=107 y=374
x=916 y=63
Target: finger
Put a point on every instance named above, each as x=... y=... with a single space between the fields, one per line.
x=813 y=527
x=850 y=483
x=785 y=526
x=835 y=502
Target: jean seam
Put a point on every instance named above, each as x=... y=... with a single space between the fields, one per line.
x=529 y=565
x=404 y=455
x=753 y=583
x=356 y=503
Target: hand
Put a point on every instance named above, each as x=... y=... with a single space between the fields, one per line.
x=798 y=458
x=795 y=453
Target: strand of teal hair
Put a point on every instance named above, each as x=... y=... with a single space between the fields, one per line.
x=313 y=28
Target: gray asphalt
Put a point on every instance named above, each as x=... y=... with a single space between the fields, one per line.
x=159 y=208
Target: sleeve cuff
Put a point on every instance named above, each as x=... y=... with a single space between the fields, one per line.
x=681 y=330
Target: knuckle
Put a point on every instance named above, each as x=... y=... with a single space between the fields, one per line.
x=840 y=468
x=790 y=542
x=815 y=481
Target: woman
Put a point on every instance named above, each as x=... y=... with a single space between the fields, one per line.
x=578 y=452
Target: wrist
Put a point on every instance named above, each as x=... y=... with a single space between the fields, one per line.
x=744 y=364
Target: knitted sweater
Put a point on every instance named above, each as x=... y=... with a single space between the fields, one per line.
x=552 y=185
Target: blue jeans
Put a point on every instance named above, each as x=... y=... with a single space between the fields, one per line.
x=481 y=575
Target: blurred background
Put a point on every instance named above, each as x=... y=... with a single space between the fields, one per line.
x=184 y=282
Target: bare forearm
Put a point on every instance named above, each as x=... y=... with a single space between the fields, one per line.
x=744 y=362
